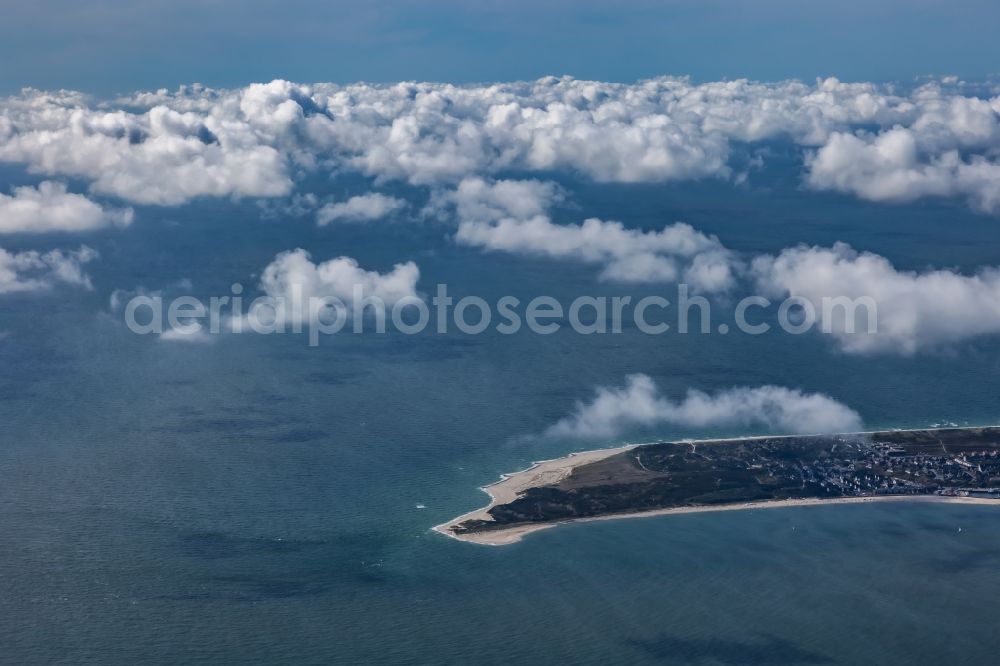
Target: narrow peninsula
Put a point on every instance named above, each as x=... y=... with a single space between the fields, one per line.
x=949 y=464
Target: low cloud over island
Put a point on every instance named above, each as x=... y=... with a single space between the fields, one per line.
x=614 y=412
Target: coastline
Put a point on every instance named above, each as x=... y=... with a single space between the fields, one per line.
x=509 y=486
x=551 y=471
x=517 y=532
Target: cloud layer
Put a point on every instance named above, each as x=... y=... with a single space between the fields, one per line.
x=616 y=411
x=167 y=148
x=876 y=142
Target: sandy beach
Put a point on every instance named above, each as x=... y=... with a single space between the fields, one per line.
x=510 y=486
x=546 y=472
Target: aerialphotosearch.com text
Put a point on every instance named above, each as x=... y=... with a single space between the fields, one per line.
x=322 y=315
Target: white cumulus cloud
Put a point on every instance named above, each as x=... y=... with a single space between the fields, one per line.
x=639 y=404
x=481 y=200
x=509 y=216
x=300 y=283
x=914 y=310
x=161 y=156
x=50 y=207
x=31 y=270
x=361 y=208
x=891 y=167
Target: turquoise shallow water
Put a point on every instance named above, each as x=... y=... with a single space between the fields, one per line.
x=255 y=501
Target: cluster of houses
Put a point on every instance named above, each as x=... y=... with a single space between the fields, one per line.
x=864 y=468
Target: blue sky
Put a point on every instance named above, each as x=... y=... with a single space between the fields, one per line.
x=108 y=46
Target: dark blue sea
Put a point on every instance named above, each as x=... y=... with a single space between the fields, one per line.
x=256 y=501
